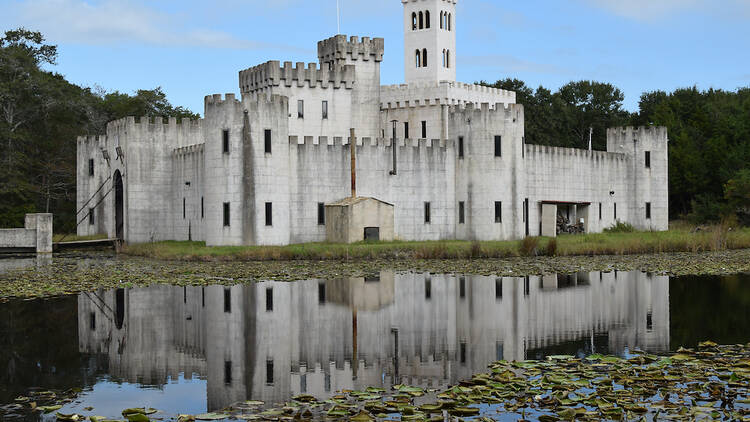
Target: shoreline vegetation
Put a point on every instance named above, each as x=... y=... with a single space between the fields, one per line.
x=681 y=239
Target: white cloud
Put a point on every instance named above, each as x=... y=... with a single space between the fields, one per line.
x=649 y=10
x=118 y=21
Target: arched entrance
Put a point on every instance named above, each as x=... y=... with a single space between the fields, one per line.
x=119 y=204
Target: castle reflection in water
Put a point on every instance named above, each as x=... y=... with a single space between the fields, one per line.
x=271 y=340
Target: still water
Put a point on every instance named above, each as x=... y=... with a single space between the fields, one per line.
x=198 y=349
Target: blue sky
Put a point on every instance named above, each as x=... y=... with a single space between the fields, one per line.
x=194 y=48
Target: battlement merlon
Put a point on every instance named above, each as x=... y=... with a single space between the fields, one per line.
x=339 y=48
x=271 y=74
x=626 y=139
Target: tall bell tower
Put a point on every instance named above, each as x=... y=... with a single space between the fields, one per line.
x=429 y=40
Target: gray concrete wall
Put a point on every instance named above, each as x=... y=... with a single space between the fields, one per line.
x=36 y=234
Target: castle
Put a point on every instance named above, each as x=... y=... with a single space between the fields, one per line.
x=431 y=159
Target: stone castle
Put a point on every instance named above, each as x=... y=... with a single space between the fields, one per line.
x=432 y=158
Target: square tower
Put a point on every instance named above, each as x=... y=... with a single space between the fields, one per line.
x=429 y=40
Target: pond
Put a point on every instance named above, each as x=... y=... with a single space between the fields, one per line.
x=200 y=349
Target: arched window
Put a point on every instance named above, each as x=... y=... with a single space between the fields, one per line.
x=421 y=20
x=418 y=58
x=445 y=20
x=448 y=58
x=450 y=19
x=444 y=58
x=441 y=19
x=413 y=21
x=427 y=19
x=424 y=57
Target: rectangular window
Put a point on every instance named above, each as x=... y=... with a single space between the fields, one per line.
x=427 y=216
x=499 y=288
x=498 y=212
x=648 y=210
x=300 y=109
x=460 y=147
x=226 y=214
x=91 y=216
x=267 y=139
x=203 y=210
x=269 y=372
x=228 y=372
x=227 y=300
x=428 y=289
x=184 y=206
x=498 y=146
x=461 y=216
x=406 y=130
x=91 y=167
x=225 y=141
x=600 y=210
x=321 y=214
x=269 y=299
x=424 y=129
x=269 y=214
x=648 y=159
x=321 y=293
x=462 y=287
x=324 y=108
x=615 y=210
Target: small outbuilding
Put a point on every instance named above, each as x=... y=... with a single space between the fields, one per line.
x=359 y=219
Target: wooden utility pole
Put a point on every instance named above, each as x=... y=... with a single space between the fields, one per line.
x=353 y=150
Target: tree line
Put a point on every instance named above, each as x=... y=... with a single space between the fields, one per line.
x=41 y=114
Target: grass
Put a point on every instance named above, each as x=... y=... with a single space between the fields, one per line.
x=75 y=238
x=682 y=239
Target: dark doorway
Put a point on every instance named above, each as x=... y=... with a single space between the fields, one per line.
x=372 y=234
x=119 y=204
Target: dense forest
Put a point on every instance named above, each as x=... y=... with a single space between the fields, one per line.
x=41 y=114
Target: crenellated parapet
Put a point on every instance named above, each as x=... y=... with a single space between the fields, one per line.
x=92 y=141
x=628 y=139
x=512 y=112
x=443 y=93
x=340 y=48
x=272 y=74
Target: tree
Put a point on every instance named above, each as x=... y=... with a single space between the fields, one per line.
x=737 y=194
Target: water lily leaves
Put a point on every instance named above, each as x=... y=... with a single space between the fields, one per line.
x=362 y=417
x=464 y=411
x=48 y=409
x=137 y=417
x=211 y=416
x=305 y=398
x=71 y=417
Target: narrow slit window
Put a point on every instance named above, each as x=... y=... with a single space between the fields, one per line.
x=300 y=109
x=462 y=287
x=413 y=21
x=448 y=58
x=427 y=19
x=427 y=216
x=269 y=299
x=406 y=130
x=498 y=146
x=424 y=57
x=184 y=208
x=462 y=353
x=428 y=289
x=227 y=220
x=269 y=214
x=421 y=20
x=499 y=288
x=267 y=139
x=418 y=58
x=321 y=293
x=526 y=286
x=615 y=210
x=203 y=209
x=648 y=159
x=648 y=210
x=269 y=372
x=91 y=166
x=461 y=216
x=92 y=321
x=228 y=372
x=227 y=301
x=225 y=141
x=460 y=147
x=600 y=210
x=324 y=108
x=92 y=219
x=321 y=214
x=498 y=212
x=424 y=129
